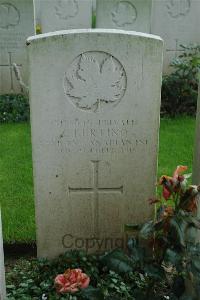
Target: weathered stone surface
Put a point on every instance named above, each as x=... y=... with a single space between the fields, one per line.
x=196 y=162
x=53 y=15
x=123 y=14
x=16 y=24
x=176 y=21
x=2 y=269
x=95 y=103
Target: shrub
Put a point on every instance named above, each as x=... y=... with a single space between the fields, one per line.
x=180 y=88
x=34 y=279
x=163 y=258
x=14 y=108
x=166 y=247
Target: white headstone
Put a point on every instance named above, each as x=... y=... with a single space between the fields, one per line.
x=53 y=15
x=196 y=161
x=16 y=24
x=123 y=14
x=95 y=104
x=2 y=269
x=177 y=22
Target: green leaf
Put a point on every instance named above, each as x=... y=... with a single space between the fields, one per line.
x=173 y=257
x=136 y=252
x=92 y=293
x=193 y=221
x=155 y=271
x=178 y=230
x=118 y=261
x=147 y=230
x=10 y=286
x=195 y=265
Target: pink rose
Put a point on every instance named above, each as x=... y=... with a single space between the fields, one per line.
x=71 y=281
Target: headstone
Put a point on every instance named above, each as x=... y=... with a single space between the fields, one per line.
x=16 y=24
x=95 y=104
x=176 y=21
x=53 y=15
x=196 y=161
x=123 y=14
x=94 y=5
x=2 y=270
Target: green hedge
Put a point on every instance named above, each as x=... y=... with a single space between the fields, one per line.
x=180 y=88
x=14 y=108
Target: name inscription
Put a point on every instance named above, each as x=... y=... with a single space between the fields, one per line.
x=12 y=41
x=98 y=136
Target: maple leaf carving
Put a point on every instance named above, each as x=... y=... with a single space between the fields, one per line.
x=124 y=14
x=9 y=15
x=93 y=83
x=66 y=9
x=177 y=8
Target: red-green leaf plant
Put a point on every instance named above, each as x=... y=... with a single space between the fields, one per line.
x=169 y=240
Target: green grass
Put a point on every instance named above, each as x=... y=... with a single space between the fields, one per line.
x=16 y=188
x=176 y=144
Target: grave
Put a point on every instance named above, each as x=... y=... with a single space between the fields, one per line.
x=196 y=161
x=2 y=270
x=176 y=21
x=95 y=106
x=53 y=15
x=123 y=14
x=16 y=24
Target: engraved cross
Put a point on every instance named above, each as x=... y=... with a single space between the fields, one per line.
x=176 y=50
x=95 y=190
x=10 y=66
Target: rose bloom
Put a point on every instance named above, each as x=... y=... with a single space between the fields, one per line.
x=174 y=183
x=71 y=281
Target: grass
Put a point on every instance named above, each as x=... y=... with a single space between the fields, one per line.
x=16 y=188
x=176 y=144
